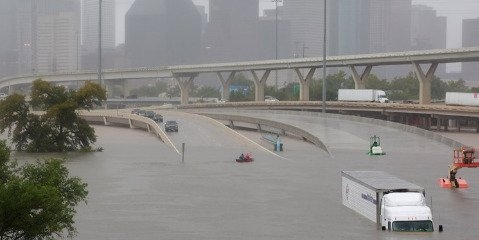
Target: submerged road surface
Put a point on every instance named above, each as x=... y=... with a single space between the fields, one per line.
x=139 y=189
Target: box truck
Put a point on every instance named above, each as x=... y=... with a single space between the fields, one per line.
x=461 y=98
x=362 y=95
x=392 y=203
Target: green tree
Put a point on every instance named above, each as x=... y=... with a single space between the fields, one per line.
x=151 y=91
x=333 y=83
x=206 y=92
x=457 y=86
x=59 y=128
x=38 y=200
x=405 y=88
x=373 y=82
x=242 y=96
x=438 y=88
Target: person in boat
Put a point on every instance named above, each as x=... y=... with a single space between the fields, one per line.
x=241 y=157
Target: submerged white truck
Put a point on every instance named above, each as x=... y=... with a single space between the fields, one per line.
x=392 y=203
x=362 y=95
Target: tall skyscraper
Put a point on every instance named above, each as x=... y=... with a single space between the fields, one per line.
x=162 y=33
x=305 y=19
x=390 y=25
x=38 y=36
x=470 y=38
x=348 y=27
x=232 y=33
x=56 y=29
x=90 y=25
x=428 y=31
x=56 y=42
x=8 y=38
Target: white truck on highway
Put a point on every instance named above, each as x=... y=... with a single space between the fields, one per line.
x=462 y=99
x=362 y=95
x=392 y=203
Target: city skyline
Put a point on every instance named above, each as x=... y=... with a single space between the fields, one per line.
x=455 y=13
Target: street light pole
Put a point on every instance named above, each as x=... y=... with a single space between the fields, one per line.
x=324 y=59
x=276 y=41
x=99 y=43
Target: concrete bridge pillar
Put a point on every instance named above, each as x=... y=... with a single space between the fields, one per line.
x=124 y=88
x=427 y=123
x=185 y=87
x=304 y=83
x=226 y=84
x=360 y=81
x=259 y=85
x=424 y=81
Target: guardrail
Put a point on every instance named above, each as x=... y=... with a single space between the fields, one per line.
x=126 y=120
x=440 y=109
x=278 y=125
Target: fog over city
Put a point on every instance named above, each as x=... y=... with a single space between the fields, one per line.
x=145 y=33
x=239 y=119
x=455 y=11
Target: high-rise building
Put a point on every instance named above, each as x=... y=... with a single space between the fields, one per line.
x=389 y=25
x=162 y=33
x=348 y=27
x=232 y=32
x=56 y=31
x=39 y=36
x=470 y=38
x=428 y=31
x=204 y=18
x=56 y=42
x=305 y=19
x=8 y=38
x=90 y=25
x=267 y=35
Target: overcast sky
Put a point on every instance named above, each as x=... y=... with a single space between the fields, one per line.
x=455 y=10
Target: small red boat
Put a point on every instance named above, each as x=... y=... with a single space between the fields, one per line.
x=246 y=158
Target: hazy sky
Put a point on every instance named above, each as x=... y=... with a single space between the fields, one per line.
x=122 y=7
x=455 y=10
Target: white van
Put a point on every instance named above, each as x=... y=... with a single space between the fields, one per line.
x=270 y=99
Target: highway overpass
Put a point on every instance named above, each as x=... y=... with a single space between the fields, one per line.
x=260 y=70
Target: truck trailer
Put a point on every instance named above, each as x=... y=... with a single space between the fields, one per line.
x=362 y=95
x=392 y=203
x=462 y=99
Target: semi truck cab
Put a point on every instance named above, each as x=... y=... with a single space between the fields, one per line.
x=406 y=212
x=391 y=203
x=381 y=96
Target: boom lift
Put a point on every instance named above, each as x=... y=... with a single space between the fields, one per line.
x=463 y=158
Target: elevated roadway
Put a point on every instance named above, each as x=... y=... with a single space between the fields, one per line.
x=260 y=70
x=423 y=115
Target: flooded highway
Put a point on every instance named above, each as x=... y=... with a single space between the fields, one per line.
x=140 y=189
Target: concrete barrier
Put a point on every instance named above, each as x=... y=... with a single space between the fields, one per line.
x=126 y=120
x=286 y=128
x=407 y=128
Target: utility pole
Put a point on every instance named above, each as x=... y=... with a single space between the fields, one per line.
x=324 y=60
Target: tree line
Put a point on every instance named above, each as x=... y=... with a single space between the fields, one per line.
x=397 y=89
